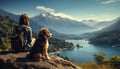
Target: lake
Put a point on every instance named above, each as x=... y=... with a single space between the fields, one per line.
x=85 y=54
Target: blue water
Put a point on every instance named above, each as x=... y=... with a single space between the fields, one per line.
x=85 y=54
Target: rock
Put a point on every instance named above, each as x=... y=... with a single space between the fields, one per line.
x=19 y=61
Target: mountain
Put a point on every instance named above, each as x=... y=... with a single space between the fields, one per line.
x=62 y=25
x=5 y=13
x=109 y=36
x=104 y=24
x=115 y=26
x=90 y=22
x=10 y=60
x=36 y=26
x=15 y=17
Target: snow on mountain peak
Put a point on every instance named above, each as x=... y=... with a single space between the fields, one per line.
x=90 y=22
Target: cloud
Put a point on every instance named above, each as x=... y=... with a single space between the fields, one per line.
x=52 y=11
x=109 y=1
x=64 y=15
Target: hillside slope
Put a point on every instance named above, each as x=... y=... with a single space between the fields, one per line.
x=104 y=24
x=12 y=16
x=6 y=28
x=108 y=36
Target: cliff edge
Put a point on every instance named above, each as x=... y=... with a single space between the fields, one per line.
x=19 y=61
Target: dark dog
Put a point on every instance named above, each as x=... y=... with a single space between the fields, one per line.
x=40 y=48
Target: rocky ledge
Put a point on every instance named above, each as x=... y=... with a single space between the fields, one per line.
x=19 y=61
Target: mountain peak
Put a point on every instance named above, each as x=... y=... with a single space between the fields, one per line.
x=61 y=24
x=18 y=61
x=117 y=19
x=90 y=22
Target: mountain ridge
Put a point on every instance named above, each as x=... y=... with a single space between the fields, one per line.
x=11 y=15
x=104 y=24
x=90 y=22
x=105 y=29
x=108 y=36
x=36 y=26
x=61 y=25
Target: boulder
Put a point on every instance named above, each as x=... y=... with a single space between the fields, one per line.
x=19 y=61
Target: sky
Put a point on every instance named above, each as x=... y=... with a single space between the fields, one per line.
x=100 y=10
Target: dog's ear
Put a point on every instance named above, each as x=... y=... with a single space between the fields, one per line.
x=44 y=32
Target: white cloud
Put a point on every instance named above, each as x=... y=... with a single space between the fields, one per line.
x=64 y=15
x=109 y=1
x=52 y=11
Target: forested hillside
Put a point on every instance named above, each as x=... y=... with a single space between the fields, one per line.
x=6 y=27
x=110 y=36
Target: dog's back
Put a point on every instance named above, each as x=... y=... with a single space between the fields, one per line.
x=38 y=46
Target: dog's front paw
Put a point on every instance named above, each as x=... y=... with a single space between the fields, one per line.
x=48 y=58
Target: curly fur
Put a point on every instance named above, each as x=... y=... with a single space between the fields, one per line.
x=40 y=48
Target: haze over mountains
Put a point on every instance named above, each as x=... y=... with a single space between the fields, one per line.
x=13 y=16
x=59 y=26
x=109 y=36
x=104 y=24
x=33 y=24
x=90 y=22
x=36 y=26
x=100 y=24
x=62 y=25
x=57 y=23
x=114 y=27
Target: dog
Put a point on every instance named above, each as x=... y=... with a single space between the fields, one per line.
x=40 y=48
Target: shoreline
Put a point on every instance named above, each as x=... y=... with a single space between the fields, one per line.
x=52 y=53
x=57 y=52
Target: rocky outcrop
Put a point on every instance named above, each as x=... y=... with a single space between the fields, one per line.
x=19 y=61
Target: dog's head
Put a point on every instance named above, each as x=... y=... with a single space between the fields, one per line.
x=45 y=32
